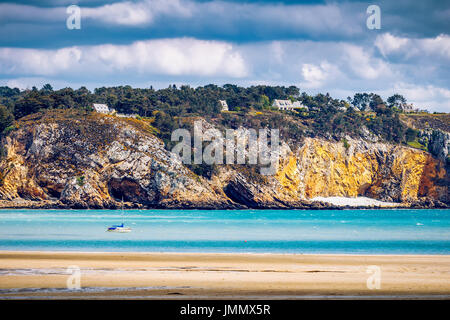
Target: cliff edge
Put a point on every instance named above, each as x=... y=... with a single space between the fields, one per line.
x=66 y=160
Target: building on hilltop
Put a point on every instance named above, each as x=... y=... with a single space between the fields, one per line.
x=224 y=105
x=408 y=107
x=283 y=104
x=102 y=108
x=287 y=104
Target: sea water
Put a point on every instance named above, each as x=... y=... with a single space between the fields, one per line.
x=392 y=231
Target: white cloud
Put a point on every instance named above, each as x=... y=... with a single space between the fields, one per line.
x=388 y=43
x=125 y=13
x=316 y=75
x=137 y=13
x=363 y=64
x=128 y=13
x=172 y=57
x=438 y=47
x=277 y=51
x=38 y=62
x=182 y=56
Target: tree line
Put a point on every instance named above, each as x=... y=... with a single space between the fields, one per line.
x=324 y=115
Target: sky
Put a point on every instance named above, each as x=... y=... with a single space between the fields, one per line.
x=318 y=46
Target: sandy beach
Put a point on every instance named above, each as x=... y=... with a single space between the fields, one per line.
x=357 y=202
x=210 y=275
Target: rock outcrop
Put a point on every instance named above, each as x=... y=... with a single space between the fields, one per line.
x=438 y=143
x=96 y=162
x=381 y=171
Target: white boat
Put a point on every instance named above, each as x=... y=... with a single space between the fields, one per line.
x=119 y=228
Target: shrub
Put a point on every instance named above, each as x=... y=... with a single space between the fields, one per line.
x=9 y=129
x=346 y=144
x=80 y=181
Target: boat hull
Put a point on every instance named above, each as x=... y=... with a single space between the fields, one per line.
x=119 y=230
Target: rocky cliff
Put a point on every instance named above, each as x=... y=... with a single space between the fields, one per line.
x=95 y=161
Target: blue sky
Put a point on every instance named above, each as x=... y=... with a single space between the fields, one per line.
x=319 y=46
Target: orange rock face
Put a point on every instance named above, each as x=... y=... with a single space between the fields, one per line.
x=386 y=172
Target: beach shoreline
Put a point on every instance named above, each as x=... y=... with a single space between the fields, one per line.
x=317 y=203
x=154 y=275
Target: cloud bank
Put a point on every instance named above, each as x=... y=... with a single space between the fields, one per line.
x=319 y=46
x=166 y=56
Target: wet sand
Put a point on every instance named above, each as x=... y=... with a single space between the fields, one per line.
x=219 y=275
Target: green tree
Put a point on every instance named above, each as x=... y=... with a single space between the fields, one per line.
x=265 y=102
x=46 y=89
x=411 y=134
x=376 y=103
x=6 y=118
x=32 y=103
x=360 y=101
x=396 y=100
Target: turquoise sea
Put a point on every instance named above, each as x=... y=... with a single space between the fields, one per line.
x=264 y=231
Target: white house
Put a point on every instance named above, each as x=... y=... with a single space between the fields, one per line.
x=408 y=107
x=287 y=104
x=101 y=108
x=283 y=104
x=224 y=105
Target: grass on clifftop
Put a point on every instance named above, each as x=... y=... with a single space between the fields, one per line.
x=427 y=121
x=84 y=119
x=416 y=144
